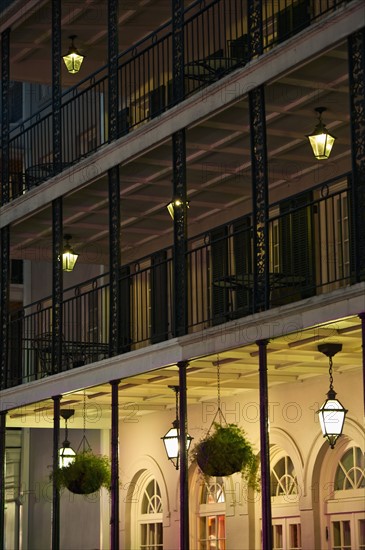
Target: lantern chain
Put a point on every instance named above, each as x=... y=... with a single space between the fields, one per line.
x=330 y=373
x=219 y=383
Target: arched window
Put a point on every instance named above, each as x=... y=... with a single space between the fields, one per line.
x=150 y=517
x=344 y=508
x=283 y=478
x=286 y=529
x=212 y=515
x=350 y=473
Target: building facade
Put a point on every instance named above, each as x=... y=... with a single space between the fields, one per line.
x=227 y=303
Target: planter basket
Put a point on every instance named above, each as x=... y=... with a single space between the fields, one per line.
x=86 y=475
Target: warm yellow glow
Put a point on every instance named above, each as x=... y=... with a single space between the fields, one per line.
x=321 y=145
x=320 y=139
x=69 y=259
x=73 y=59
x=173 y=204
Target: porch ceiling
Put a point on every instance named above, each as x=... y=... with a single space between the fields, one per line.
x=292 y=358
x=218 y=169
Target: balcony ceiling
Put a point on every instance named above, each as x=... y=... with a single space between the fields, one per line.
x=218 y=169
x=292 y=359
x=30 y=40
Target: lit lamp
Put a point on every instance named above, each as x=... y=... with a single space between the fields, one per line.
x=332 y=413
x=69 y=257
x=66 y=452
x=171 y=438
x=176 y=203
x=73 y=59
x=320 y=139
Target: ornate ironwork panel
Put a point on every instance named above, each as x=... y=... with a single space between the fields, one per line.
x=255 y=35
x=356 y=53
x=5 y=53
x=180 y=232
x=114 y=259
x=4 y=304
x=178 y=91
x=113 y=68
x=259 y=198
x=56 y=85
x=57 y=284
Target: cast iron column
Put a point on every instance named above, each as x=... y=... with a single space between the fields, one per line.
x=178 y=91
x=179 y=175
x=2 y=477
x=255 y=37
x=57 y=285
x=356 y=56
x=362 y=317
x=184 y=464
x=55 y=490
x=4 y=305
x=114 y=519
x=259 y=199
x=114 y=260
x=113 y=69
x=264 y=448
x=56 y=85
x=180 y=233
x=5 y=70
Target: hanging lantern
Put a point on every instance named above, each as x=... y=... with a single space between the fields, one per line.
x=321 y=140
x=73 y=59
x=332 y=413
x=171 y=439
x=66 y=453
x=176 y=203
x=69 y=257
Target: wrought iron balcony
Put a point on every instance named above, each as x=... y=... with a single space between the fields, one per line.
x=216 y=43
x=311 y=252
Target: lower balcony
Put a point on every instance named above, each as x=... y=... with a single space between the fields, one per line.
x=310 y=251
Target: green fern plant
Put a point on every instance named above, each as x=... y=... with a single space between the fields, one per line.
x=225 y=451
x=85 y=475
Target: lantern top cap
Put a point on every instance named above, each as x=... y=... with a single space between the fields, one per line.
x=67 y=413
x=329 y=349
x=320 y=110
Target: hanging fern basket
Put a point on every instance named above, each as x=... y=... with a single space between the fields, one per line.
x=85 y=475
x=226 y=451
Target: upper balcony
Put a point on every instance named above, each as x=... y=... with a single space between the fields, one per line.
x=216 y=42
x=311 y=252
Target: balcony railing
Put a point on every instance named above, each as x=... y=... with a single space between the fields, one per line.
x=216 y=43
x=310 y=252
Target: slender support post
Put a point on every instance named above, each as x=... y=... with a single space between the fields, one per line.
x=180 y=233
x=114 y=520
x=255 y=35
x=184 y=465
x=114 y=260
x=4 y=305
x=2 y=477
x=5 y=71
x=259 y=199
x=362 y=317
x=56 y=85
x=264 y=448
x=55 y=490
x=113 y=69
x=356 y=57
x=57 y=285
